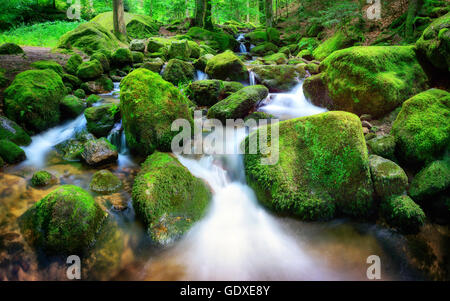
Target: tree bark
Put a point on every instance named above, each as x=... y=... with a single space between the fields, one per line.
x=120 y=30
x=269 y=13
x=262 y=12
x=413 y=8
x=248 y=11
x=199 y=12
x=207 y=20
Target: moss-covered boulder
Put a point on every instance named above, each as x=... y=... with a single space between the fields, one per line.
x=103 y=59
x=71 y=106
x=10 y=48
x=260 y=36
x=89 y=37
x=168 y=198
x=42 y=178
x=307 y=44
x=122 y=57
x=264 y=49
x=155 y=44
x=322 y=163
x=99 y=152
x=92 y=99
x=32 y=100
x=339 y=40
x=71 y=80
x=99 y=86
x=239 y=104
x=71 y=149
x=178 y=72
x=431 y=181
x=276 y=59
x=10 y=152
x=90 y=70
x=80 y=93
x=434 y=44
x=388 y=178
x=219 y=41
x=179 y=50
x=12 y=131
x=279 y=78
x=101 y=119
x=401 y=212
x=73 y=63
x=369 y=80
x=105 y=182
x=209 y=92
x=64 y=222
x=149 y=105
x=383 y=146
x=422 y=128
x=3 y=79
x=138 y=57
x=137 y=45
x=154 y=65
x=52 y=65
x=227 y=66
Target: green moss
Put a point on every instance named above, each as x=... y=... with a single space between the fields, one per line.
x=239 y=104
x=372 y=80
x=338 y=41
x=179 y=50
x=71 y=106
x=218 y=40
x=12 y=131
x=97 y=152
x=149 y=105
x=103 y=59
x=32 y=100
x=90 y=70
x=122 y=57
x=52 y=65
x=101 y=119
x=71 y=81
x=422 y=128
x=257 y=36
x=168 y=198
x=10 y=152
x=273 y=35
x=389 y=179
x=79 y=93
x=402 y=213
x=3 y=80
x=307 y=44
x=320 y=157
x=264 y=49
x=10 y=48
x=178 y=72
x=105 y=182
x=92 y=99
x=277 y=58
x=138 y=57
x=41 y=178
x=431 y=181
x=227 y=66
x=209 y=92
x=259 y=115
x=64 y=222
x=383 y=146
x=279 y=78
x=73 y=63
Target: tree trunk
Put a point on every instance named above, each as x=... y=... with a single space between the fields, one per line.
x=120 y=30
x=262 y=12
x=413 y=8
x=199 y=12
x=269 y=13
x=207 y=20
x=186 y=3
x=248 y=11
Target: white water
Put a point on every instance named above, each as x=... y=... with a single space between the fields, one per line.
x=200 y=75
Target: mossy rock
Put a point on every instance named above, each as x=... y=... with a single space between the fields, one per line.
x=137 y=45
x=10 y=152
x=52 y=65
x=92 y=99
x=89 y=37
x=338 y=41
x=12 y=131
x=307 y=44
x=239 y=104
x=312 y=68
x=434 y=44
x=71 y=80
x=179 y=50
x=401 y=212
x=281 y=78
x=257 y=37
x=371 y=79
x=99 y=152
x=168 y=198
x=103 y=59
x=80 y=93
x=202 y=61
x=64 y=222
x=322 y=160
x=276 y=58
x=42 y=178
x=155 y=65
x=156 y=44
x=383 y=146
x=178 y=72
x=32 y=100
x=71 y=106
x=138 y=57
x=209 y=92
x=195 y=49
x=260 y=115
x=149 y=105
x=263 y=49
x=10 y=48
x=90 y=70
x=219 y=41
x=431 y=181
x=305 y=54
x=227 y=66
x=99 y=86
x=422 y=128
x=122 y=57
x=388 y=178
x=105 y=182
x=101 y=119
x=73 y=63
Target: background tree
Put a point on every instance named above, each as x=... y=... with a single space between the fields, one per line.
x=120 y=30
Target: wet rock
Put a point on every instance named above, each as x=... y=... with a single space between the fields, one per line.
x=383 y=146
x=389 y=179
x=401 y=212
x=209 y=92
x=10 y=152
x=280 y=78
x=227 y=66
x=12 y=131
x=98 y=152
x=101 y=119
x=105 y=182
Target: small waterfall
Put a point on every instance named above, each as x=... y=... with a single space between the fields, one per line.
x=117 y=138
x=252 y=78
x=200 y=75
x=240 y=39
x=115 y=92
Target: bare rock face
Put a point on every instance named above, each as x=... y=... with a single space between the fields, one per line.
x=98 y=152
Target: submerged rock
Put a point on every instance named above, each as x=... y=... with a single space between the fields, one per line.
x=10 y=152
x=280 y=78
x=209 y=92
x=64 y=222
x=105 y=182
x=389 y=179
x=98 y=152
x=168 y=208
x=227 y=66
x=178 y=72
x=12 y=131
x=401 y=212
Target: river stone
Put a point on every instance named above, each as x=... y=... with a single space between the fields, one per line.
x=388 y=178
x=101 y=119
x=12 y=131
x=431 y=181
x=98 y=152
x=209 y=92
x=281 y=78
x=226 y=66
x=105 y=182
x=42 y=178
x=383 y=146
x=402 y=213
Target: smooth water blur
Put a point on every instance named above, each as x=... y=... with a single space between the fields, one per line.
x=200 y=75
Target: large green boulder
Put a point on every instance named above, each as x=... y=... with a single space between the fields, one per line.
x=101 y=119
x=89 y=37
x=178 y=72
x=227 y=66
x=220 y=41
x=168 y=198
x=122 y=57
x=10 y=48
x=90 y=70
x=12 y=131
x=257 y=37
x=179 y=50
x=71 y=80
x=280 y=78
x=105 y=182
x=321 y=162
x=10 y=152
x=402 y=213
x=431 y=181
x=239 y=104
x=32 y=100
x=149 y=105
x=422 y=128
x=103 y=59
x=64 y=222
x=52 y=65
x=263 y=49
x=210 y=91
x=434 y=44
x=338 y=41
x=388 y=178
x=369 y=79
x=72 y=106
x=73 y=63
x=154 y=65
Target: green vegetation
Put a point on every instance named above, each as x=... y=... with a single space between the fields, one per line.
x=431 y=181
x=105 y=182
x=226 y=66
x=388 y=178
x=42 y=178
x=403 y=213
x=10 y=152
